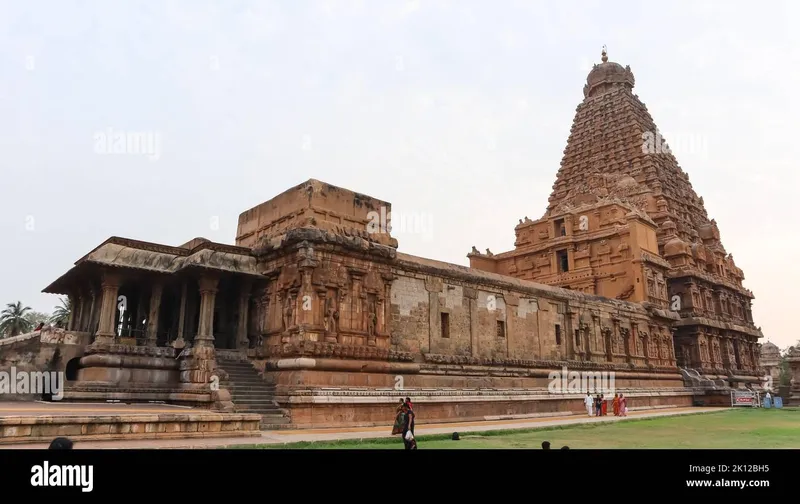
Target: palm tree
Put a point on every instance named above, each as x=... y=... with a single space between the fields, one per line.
x=13 y=321
x=62 y=313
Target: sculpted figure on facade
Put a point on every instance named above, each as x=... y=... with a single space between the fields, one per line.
x=372 y=320
x=331 y=316
x=288 y=313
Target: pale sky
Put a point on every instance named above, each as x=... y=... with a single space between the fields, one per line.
x=456 y=112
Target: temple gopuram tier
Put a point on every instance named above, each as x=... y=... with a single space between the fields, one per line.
x=623 y=222
x=313 y=318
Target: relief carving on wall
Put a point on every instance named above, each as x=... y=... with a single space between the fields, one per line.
x=608 y=341
x=288 y=313
x=622 y=337
x=331 y=315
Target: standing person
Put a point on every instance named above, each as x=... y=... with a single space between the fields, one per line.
x=408 y=428
x=588 y=402
x=597 y=405
x=603 y=405
x=399 y=418
x=623 y=405
x=411 y=408
x=615 y=405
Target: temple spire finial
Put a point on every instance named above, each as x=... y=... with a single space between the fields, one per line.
x=604 y=57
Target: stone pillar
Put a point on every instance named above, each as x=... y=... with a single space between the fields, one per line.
x=242 y=341
x=74 y=306
x=208 y=295
x=179 y=341
x=152 y=317
x=110 y=285
x=94 y=312
x=81 y=323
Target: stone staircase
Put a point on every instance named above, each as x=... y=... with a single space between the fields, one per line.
x=250 y=393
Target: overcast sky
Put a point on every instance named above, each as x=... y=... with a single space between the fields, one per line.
x=457 y=112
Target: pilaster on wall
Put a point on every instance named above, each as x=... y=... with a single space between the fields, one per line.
x=434 y=286
x=471 y=300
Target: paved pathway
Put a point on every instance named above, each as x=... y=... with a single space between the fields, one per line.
x=293 y=436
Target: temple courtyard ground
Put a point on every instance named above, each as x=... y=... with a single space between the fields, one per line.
x=667 y=428
x=740 y=428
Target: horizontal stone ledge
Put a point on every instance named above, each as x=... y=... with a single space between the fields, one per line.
x=103 y=360
x=135 y=436
x=421 y=398
x=136 y=396
x=362 y=366
x=311 y=390
x=131 y=418
x=542 y=373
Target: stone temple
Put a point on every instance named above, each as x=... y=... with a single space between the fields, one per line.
x=314 y=318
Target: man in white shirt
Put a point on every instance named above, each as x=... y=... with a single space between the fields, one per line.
x=589 y=403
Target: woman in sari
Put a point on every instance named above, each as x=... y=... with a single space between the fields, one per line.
x=615 y=405
x=623 y=405
x=399 y=418
x=603 y=405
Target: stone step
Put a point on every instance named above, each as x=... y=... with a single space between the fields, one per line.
x=241 y=372
x=258 y=408
x=248 y=370
x=251 y=379
x=254 y=401
x=247 y=378
x=260 y=411
x=243 y=393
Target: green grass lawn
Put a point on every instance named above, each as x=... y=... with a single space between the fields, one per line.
x=741 y=428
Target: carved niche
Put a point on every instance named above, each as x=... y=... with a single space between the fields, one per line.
x=622 y=337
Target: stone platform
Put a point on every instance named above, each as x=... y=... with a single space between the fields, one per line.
x=37 y=422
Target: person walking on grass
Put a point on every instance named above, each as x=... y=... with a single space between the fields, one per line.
x=623 y=405
x=409 y=440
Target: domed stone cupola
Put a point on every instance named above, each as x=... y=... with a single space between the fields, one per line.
x=606 y=76
x=674 y=246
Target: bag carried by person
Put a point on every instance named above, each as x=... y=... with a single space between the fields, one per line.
x=409 y=436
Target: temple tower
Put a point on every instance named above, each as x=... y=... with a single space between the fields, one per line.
x=623 y=221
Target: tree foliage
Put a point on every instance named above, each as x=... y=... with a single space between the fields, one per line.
x=14 y=320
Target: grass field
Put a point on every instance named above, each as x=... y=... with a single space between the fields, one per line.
x=742 y=428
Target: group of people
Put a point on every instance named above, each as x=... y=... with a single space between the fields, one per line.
x=404 y=423
x=598 y=406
